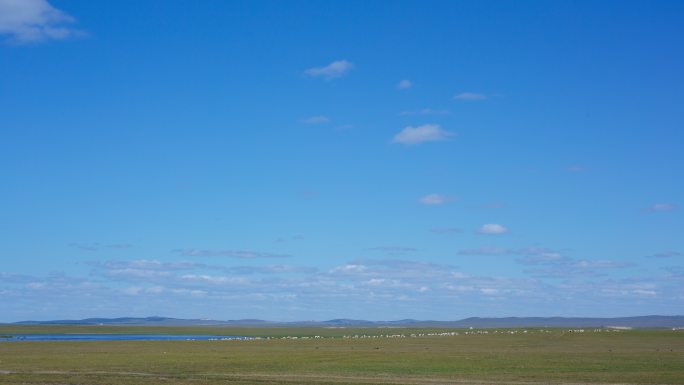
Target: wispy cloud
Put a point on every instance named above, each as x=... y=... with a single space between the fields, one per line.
x=435 y=199
x=544 y=258
x=532 y=255
x=421 y=134
x=404 y=84
x=32 y=21
x=345 y=127
x=665 y=254
x=286 y=239
x=395 y=249
x=493 y=229
x=243 y=254
x=576 y=168
x=425 y=111
x=97 y=246
x=145 y=264
x=494 y=205
x=318 y=119
x=85 y=246
x=446 y=230
x=309 y=194
x=470 y=96
x=662 y=207
x=599 y=264
x=397 y=287
x=549 y=263
x=333 y=70
x=271 y=269
x=488 y=250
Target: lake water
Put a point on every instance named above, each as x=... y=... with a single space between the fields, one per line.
x=116 y=337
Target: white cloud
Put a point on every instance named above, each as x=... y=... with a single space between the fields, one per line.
x=215 y=280
x=493 y=228
x=662 y=207
x=369 y=285
x=350 y=268
x=29 y=21
x=489 y=291
x=648 y=293
x=435 y=199
x=425 y=133
x=470 y=96
x=319 y=119
x=331 y=71
x=405 y=84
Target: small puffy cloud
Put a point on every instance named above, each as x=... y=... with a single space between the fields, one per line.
x=333 y=70
x=493 y=229
x=318 y=119
x=404 y=84
x=470 y=96
x=435 y=199
x=662 y=207
x=425 y=133
x=32 y=21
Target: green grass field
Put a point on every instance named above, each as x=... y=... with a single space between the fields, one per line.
x=555 y=357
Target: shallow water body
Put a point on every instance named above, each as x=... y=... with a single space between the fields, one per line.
x=115 y=337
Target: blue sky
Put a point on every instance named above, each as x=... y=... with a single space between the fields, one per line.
x=360 y=159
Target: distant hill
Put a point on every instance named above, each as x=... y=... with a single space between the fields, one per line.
x=651 y=321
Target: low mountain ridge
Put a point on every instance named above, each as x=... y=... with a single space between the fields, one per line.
x=650 y=321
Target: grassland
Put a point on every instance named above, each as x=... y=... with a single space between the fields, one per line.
x=554 y=357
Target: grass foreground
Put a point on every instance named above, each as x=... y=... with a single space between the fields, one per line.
x=554 y=356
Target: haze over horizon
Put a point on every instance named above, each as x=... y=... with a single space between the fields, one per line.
x=363 y=159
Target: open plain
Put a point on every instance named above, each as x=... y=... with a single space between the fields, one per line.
x=348 y=356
